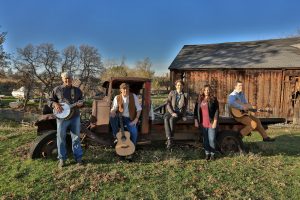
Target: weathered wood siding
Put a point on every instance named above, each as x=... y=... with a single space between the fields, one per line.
x=263 y=87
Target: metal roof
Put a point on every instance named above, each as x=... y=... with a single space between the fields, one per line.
x=275 y=54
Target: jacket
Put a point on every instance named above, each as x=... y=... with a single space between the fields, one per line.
x=171 y=102
x=213 y=110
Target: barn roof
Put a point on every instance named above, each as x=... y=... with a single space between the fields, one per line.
x=275 y=53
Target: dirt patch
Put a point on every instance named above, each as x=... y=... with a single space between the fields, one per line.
x=22 y=151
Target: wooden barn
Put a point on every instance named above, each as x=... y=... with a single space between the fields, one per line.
x=270 y=70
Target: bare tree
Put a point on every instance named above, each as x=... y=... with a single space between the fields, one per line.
x=110 y=63
x=90 y=66
x=143 y=68
x=42 y=61
x=3 y=55
x=115 y=71
x=39 y=64
x=26 y=79
x=123 y=60
x=70 y=60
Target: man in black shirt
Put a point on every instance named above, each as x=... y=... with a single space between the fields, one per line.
x=67 y=93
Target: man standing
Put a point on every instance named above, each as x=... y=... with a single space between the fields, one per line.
x=127 y=104
x=67 y=93
x=237 y=100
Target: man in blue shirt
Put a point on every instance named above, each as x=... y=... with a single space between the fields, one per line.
x=237 y=100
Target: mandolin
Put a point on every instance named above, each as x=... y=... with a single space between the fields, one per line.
x=124 y=146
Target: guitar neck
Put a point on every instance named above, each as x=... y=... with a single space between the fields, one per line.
x=253 y=110
x=121 y=124
x=74 y=104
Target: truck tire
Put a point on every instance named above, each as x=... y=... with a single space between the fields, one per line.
x=230 y=142
x=45 y=145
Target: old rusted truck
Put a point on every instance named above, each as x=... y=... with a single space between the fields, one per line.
x=96 y=129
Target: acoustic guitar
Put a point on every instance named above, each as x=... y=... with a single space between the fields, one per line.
x=240 y=113
x=124 y=146
x=67 y=111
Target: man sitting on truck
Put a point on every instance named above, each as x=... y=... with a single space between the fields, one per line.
x=127 y=104
x=238 y=101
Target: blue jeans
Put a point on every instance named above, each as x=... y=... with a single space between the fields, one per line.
x=74 y=125
x=114 y=123
x=209 y=136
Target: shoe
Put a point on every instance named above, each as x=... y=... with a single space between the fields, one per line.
x=61 y=164
x=169 y=144
x=129 y=158
x=79 y=162
x=212 y=157
x=115 y=141
x=207 y=156
x=268 y=139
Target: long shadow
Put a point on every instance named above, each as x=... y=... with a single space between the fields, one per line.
x=288 y=145
x=155 y=152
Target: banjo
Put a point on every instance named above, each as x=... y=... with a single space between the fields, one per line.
x=67 y=111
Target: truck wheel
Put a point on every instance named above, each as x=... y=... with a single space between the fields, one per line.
x=45 y=145
x=230 y=142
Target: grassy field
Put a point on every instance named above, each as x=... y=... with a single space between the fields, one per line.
x=268 y=171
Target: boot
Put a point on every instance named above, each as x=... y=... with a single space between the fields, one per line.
x=79 y=162
x=61 y=164
x=207 y=156
x=169 y=143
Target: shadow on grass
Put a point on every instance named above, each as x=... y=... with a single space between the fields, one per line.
x=152 y=153
x=283 y=145
x=287 y=145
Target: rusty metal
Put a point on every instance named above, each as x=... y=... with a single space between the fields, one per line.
x=97 y=129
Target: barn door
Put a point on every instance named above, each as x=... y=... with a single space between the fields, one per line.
x=295 y=96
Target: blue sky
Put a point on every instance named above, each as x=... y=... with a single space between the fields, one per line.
x=144 y=28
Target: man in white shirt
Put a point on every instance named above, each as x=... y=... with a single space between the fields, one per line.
x=126 y=104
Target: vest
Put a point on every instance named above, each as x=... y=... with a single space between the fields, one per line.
x=132 y=108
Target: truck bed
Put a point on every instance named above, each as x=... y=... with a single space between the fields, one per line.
x=222 y=120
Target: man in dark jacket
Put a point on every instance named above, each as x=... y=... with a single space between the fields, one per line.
x=176 y=110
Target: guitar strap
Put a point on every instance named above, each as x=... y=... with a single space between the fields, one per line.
x=72 y=101
x=73 y=94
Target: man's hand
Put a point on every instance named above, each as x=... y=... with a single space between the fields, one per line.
x=245 y=107
x=196 y=123
x=134 y=122
x=112 y=113
x=174 y=114
x=57 y=107
x=79 y=104
x=214 y=124
x=184 y=118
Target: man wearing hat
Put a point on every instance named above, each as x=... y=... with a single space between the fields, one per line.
x=67 y=93
x=128 y=105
